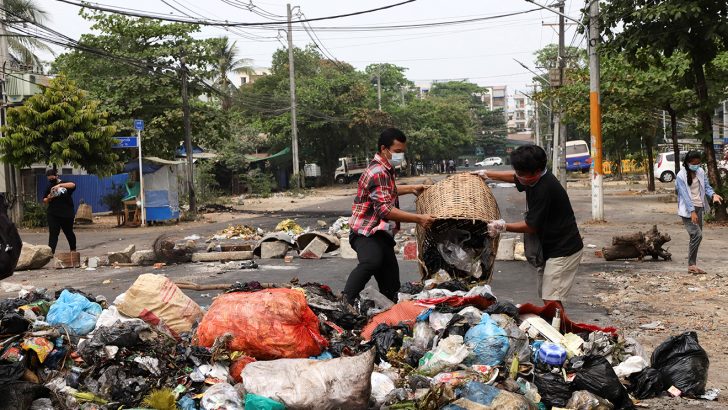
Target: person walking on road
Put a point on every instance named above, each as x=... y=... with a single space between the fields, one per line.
x=692 y=186
x=375 y=219
x=550 y=225
x=60 y=210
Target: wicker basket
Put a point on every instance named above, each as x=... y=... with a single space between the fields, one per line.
x=84 y=214
x=463 y=204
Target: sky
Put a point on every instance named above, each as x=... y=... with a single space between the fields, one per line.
x=481 y=52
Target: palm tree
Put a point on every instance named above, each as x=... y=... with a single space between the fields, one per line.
x=22 y=47
x=227 y=62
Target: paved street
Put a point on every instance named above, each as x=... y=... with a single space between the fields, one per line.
x=513 y=281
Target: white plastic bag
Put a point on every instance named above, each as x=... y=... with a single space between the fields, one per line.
x=449 y=353
x=633 y=364
x=381 y=386
x=344 y=382
x=221 y=396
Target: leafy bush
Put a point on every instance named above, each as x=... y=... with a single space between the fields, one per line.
x=34 y=215
x=260 y=183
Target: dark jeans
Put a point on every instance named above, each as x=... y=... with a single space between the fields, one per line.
x=696 y=236
x=376 y=258
x=55 y=225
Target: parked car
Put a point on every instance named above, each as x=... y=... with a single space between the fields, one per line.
x=489 y=162
x=665 y=166
x=577 y=156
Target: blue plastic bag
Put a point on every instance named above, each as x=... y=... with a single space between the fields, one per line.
x=483 y=396
x=489 y=342
x=74 y=311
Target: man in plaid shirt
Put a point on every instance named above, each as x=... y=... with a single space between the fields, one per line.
x=376 y=216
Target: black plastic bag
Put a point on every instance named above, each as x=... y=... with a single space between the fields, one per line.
x=121 y=334
x=386 y=337
x=554 y=391
x=647 y=383
x=20 y=395
x=13 y=324
x=10 y=372
x=596 y=375
x=506 y=308
x=682 y=363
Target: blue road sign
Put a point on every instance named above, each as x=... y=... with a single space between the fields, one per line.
x=139 y=125
x=126 y=142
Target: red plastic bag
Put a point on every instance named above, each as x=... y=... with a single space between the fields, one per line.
x=405 y=311
x=268 y=324
x=237 y=366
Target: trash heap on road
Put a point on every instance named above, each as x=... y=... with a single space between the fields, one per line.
x=445 y=344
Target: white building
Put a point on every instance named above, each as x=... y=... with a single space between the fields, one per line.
x=250 y=78
x=520 y=112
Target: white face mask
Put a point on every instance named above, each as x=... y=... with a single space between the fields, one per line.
x=397 y=159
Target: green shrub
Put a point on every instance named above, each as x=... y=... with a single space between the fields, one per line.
x=34 y=215
x=260 y=183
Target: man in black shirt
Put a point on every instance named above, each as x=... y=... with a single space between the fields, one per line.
x=60 y=210
x=549 y=217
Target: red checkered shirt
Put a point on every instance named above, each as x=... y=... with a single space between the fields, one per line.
x=375 y=198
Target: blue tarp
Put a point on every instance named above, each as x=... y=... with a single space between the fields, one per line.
x=90 y=188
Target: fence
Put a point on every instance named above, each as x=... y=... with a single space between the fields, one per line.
x=89 y=188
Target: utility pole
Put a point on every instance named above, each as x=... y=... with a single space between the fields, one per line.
x=562 y=125
x=379 y=86
x=536 y=111
x=292 y=81
x=188 y=137
x=595 y=115
x=8 y=176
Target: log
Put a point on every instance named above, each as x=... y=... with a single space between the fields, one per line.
x=638 y=245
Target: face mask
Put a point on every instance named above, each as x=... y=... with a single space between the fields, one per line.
x=53 y=181
x=531 y=181
x=397 y=159
x=694 y=168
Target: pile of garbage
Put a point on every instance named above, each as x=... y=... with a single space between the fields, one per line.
x=444 y=344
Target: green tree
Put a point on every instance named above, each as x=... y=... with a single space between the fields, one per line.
x=228 y=62
x=698 y=28
x=22 y=47
x=131 y=66
x=396 y=88
x=335 y=108
x=60 y=126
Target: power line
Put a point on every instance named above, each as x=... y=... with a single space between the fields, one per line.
x=128 y=12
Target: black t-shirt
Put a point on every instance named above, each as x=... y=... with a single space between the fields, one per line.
x=550 y=213
x=62 y=205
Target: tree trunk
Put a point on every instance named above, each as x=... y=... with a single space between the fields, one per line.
x=638 y=245
x=649 y=143
x=673 y=134
x=706 y=133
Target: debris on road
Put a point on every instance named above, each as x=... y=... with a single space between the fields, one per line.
x=638 y=246
x=445 y=344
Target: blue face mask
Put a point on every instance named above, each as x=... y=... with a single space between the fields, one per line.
x=694 y=168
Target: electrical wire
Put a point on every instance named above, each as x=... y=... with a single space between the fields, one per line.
x=128 y=12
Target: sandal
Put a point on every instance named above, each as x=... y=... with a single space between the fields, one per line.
x=696 y=270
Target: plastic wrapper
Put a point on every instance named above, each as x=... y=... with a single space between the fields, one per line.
x=490 y=342
x=453 y=252
x=683 y=363
x=633 y=364
x=268 y=324
x=422 y=335
x=449 y=353
x=41 y=346
x=438 y=320
x=313 y=384
x=221 y=396
x=75 y=312
x=584 y=400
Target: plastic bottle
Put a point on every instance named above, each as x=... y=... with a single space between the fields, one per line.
x=556 y=321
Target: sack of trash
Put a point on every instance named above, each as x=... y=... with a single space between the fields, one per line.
x=683 y=363
x=313 y=384
x=481 y=396
x=595 y=375
x=268 y=324
x=489 y=341
x=156 y=299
